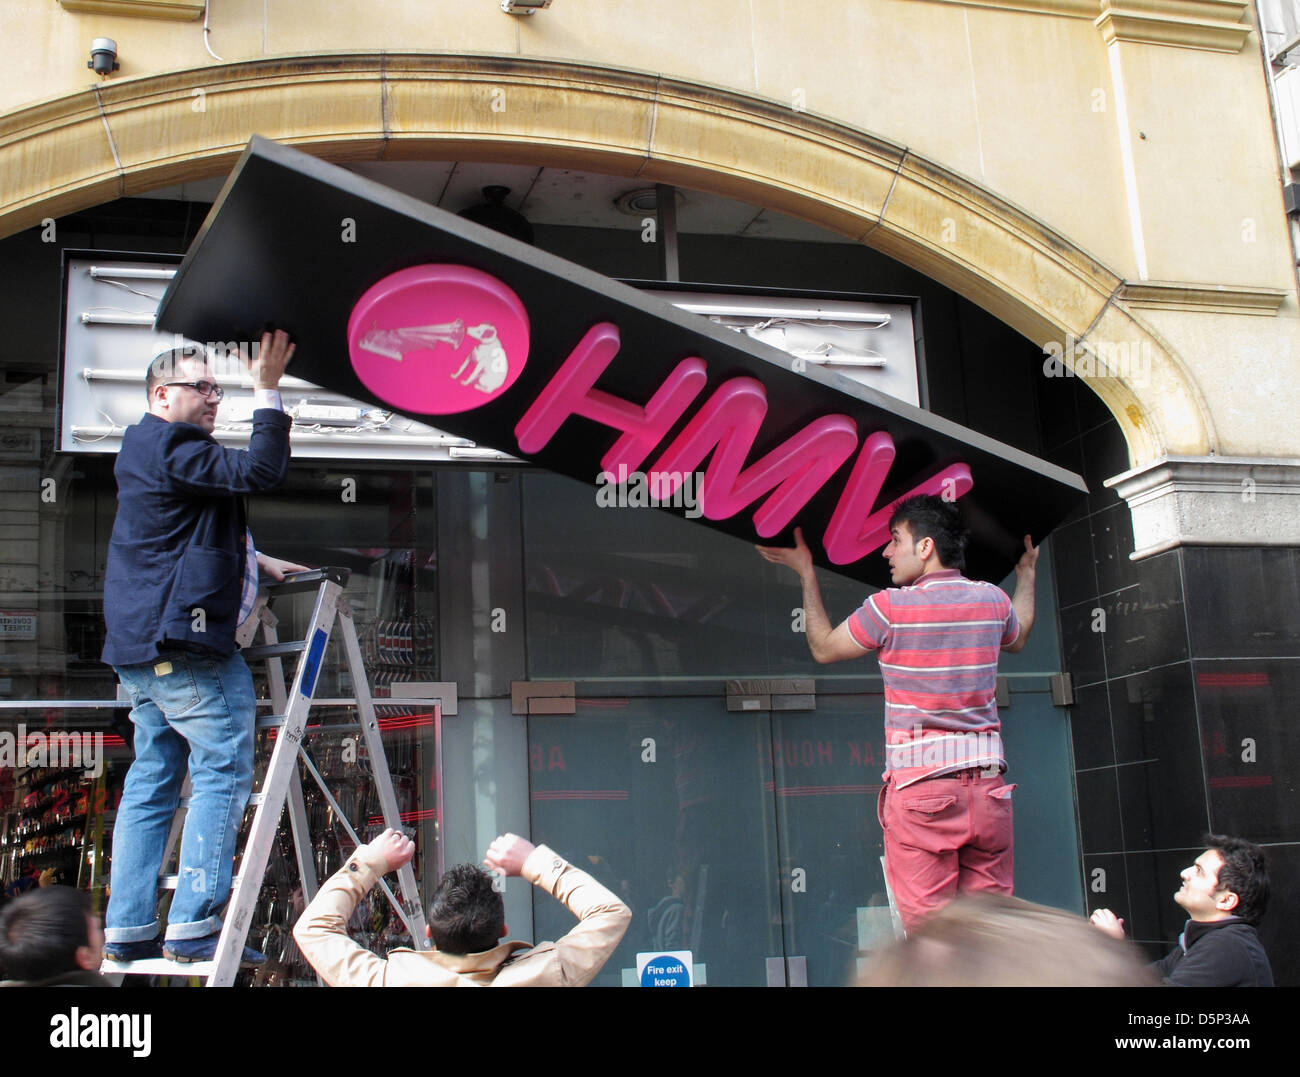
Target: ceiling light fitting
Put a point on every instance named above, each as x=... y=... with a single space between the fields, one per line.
x=643 y=201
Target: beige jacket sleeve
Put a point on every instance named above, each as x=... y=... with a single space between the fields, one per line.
x=573 y=961
x=322 y=930
x=602 y=918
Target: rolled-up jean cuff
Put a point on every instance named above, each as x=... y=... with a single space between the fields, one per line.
x=131 y=934
x=198 y=930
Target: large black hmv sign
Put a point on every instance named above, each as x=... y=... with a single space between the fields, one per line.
x=421 y=312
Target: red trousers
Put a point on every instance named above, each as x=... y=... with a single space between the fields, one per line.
x=945 y=836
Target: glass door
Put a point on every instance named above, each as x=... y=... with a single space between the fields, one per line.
x=668 y=802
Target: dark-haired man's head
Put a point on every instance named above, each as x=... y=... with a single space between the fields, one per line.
x=466 y=915
x=49 y=932
x=1229 y=879
x=926 y=534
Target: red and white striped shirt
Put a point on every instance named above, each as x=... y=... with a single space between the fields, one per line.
x=938 y=641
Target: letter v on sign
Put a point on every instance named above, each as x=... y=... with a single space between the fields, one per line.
x=854 y=530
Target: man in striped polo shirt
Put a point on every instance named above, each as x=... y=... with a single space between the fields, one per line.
x=945 y=811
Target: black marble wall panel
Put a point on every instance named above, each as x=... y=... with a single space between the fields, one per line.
x=1148 y=895
x=1090 y=724
x=1105 y=878
x=1100 y=828
x=1250 y=741
x=1243 y=602
x=1186 y=670
x=1277 y=931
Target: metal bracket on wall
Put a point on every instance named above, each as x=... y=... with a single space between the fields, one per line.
x=1062 y=685
x=542 y=697
x=781 y=694
x=443 y=691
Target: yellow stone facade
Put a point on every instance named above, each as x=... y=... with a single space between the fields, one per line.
x=1088 y=171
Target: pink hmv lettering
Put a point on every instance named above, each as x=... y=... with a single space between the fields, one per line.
x=442 y=339
x=726 y=426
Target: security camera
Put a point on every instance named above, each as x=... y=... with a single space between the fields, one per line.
x=103 y=56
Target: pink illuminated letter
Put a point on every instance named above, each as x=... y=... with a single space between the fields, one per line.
x=572 y=392
x=846 y=539
x=726 y=426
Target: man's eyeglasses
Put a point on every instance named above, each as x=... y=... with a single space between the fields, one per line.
x=203 y=388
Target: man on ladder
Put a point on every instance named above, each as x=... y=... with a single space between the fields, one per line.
x=182 y=575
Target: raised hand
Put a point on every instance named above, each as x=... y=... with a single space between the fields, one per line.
x=798 y=557
x=1028 y=559
x=507 y=854
x=273 y=356
x=395 y=849
x=1106 y=921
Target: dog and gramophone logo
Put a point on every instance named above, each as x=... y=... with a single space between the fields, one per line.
x=438 y=339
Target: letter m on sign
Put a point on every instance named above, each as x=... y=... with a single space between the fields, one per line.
x=790 y=474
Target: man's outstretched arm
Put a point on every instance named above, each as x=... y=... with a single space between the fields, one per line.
x=1023 y=600
x=195 y=464
x=602 y=917
x=322 y=930
x=826 y=643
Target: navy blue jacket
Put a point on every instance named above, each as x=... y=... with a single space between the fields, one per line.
x=178 y=540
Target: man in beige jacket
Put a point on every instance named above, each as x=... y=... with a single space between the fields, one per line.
x=466 y=920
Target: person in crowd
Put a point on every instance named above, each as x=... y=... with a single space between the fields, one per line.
x=944 y=809
x=49 y=938
x=667 y=919
x=466 y=923
x=1225 y=893
x=181 y=576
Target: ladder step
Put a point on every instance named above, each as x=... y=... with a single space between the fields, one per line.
x=307 y=581
x=274 y=650
x=159 y=966
x=276 y=721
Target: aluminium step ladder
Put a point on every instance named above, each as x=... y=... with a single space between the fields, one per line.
x=282 y=785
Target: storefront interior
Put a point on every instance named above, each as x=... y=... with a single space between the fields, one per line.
x=747 y=835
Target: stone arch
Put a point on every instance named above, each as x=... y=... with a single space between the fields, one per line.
x=129 y=136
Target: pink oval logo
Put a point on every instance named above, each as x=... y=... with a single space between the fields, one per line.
x=438 y=339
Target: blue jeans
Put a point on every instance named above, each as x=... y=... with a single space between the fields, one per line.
x=184 y=706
